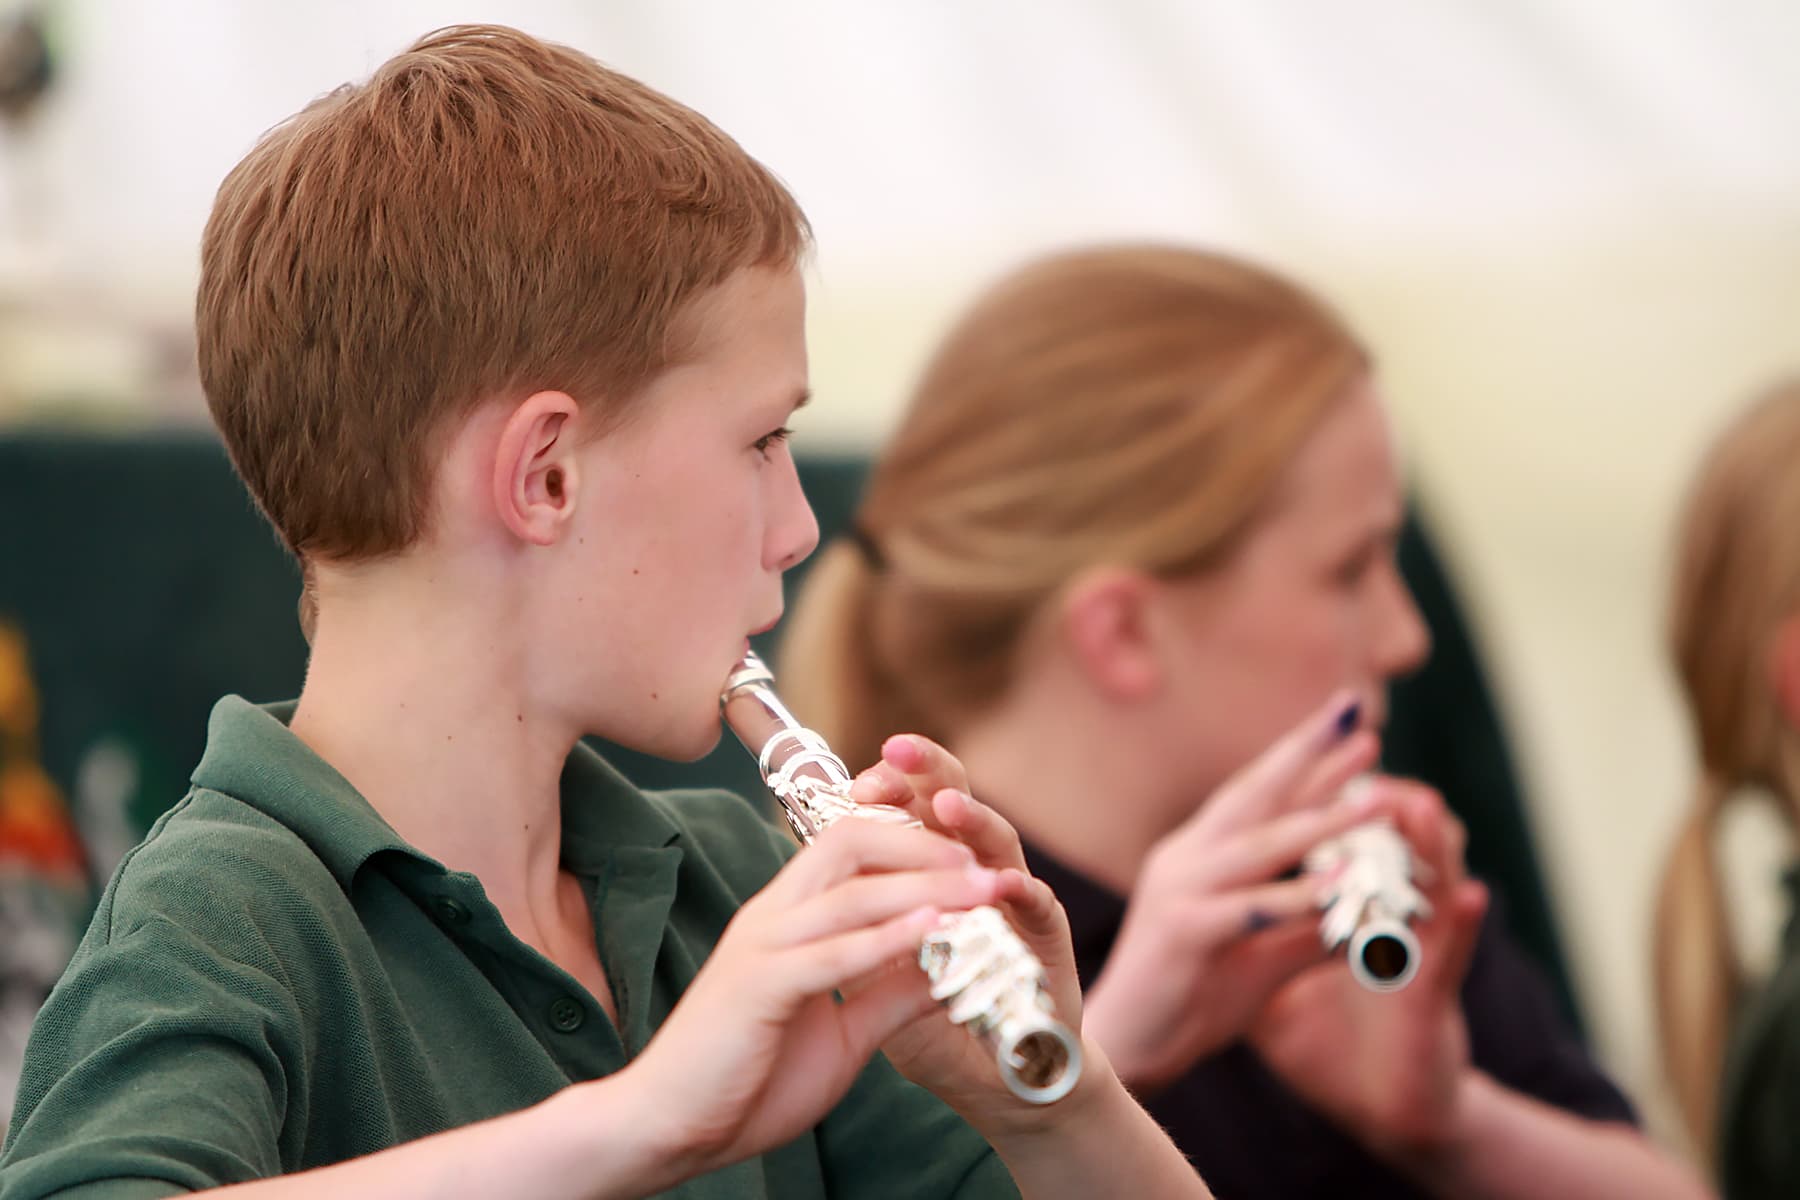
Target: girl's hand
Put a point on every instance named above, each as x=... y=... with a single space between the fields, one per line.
x=1389 y=1067
x=1217 y=922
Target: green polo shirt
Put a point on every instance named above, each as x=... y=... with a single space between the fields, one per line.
x=274 y=981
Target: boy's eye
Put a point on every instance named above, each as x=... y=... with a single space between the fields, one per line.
x=769 y=441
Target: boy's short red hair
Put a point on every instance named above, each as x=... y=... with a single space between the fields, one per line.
x=487 y=216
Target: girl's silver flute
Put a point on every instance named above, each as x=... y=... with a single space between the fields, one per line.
x=979 y=969
x=1372 y=902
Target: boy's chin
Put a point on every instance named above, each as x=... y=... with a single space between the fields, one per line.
x=687 y=745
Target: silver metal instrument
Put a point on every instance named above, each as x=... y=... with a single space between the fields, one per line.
x=979 y=969
x=1372 y=902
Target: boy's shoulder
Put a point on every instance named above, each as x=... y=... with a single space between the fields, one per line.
x=215 y=866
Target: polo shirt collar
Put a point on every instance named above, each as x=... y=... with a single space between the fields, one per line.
x=253 y=756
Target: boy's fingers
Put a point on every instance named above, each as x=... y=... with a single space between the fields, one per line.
x=834 y=962
x=884 y=784
x=856 y=847
x=867 y=900
x=977 y=826
x=912 y=769
x=926 y=769
x=1030 y=904
x=889 y=1002
x=927 y=765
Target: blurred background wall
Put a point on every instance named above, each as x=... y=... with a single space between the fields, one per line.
x=1570 y=230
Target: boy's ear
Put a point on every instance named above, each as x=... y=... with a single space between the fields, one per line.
x=1106 y=624
x=535 y=474
x=1784 y=670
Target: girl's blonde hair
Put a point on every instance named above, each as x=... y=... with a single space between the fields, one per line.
x=1737 y=578
x=1132 y=405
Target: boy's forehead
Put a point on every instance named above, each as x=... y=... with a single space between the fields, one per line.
x=756 y=299
x=752 y=328
x=743 y=346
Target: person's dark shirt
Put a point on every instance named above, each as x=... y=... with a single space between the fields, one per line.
x=1250 y=1136
x=1759 y=1097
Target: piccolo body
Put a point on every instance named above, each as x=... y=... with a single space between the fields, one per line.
x=986 y=977
x=1371 y=904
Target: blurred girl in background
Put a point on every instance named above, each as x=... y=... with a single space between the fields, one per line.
x=1137 y=526
x=1735 y=638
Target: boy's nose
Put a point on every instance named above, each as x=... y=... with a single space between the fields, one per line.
x=795 y=532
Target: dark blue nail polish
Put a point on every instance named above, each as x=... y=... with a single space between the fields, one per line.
x=1258 y=920
x=1345 y=724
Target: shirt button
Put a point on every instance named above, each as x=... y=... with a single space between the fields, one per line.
x=566 y=1014
x=450 y=912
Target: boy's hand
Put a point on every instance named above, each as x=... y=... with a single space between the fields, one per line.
x=922 y=777
x=758 y=1049
x=1215 y=925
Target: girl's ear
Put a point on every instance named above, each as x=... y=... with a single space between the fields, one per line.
x=1104 y=622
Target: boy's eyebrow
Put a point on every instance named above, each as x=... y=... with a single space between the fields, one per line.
x=802 y=398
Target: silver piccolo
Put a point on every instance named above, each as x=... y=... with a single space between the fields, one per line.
x=1372 y=903
x=988 y=980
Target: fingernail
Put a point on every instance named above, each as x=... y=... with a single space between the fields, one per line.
x=903 y=751
x=984 y=876
x=1347 y=718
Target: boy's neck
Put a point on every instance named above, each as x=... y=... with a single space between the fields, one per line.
x=433 y=724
